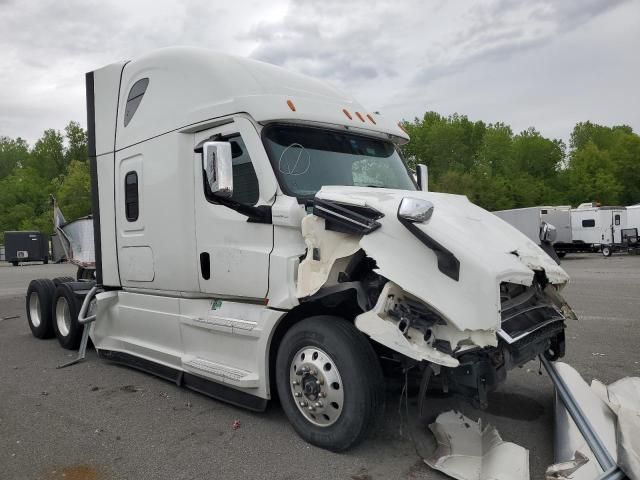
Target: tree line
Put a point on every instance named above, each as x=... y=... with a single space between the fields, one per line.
x=56 y=164
x=494 y=167
x=498 y=169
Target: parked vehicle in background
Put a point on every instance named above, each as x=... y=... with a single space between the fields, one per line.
x=633 y=216
x=26 y=246
x=599 y=226
x=258 y=234
x=546 y=226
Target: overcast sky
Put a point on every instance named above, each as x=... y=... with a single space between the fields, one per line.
x=547 y=64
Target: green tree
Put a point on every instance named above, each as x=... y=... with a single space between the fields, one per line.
x=13 y=153
x=76 y=138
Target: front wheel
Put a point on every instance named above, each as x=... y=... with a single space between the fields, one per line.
x=606 y=251
x=329 y=382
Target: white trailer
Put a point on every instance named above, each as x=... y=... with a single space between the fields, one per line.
x=633 y=216
x=544 y=225
x=258 y=234
x=599 y=226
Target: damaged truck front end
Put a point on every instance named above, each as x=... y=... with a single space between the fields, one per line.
x=442 y=286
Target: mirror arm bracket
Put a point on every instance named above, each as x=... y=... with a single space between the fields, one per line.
x=259 y=214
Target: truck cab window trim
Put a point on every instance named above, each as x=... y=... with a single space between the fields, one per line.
x=320 y=129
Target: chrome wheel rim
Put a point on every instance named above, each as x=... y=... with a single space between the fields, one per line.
x=63 y=316
x=34 y=309
x=316 y=386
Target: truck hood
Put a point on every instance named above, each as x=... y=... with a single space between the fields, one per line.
x=489 y=252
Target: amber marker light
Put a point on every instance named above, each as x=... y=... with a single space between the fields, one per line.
x=371 y=118
x=291 y=105
x=346 y=112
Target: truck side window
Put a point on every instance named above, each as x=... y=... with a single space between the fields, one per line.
x=588 y=223
x=245 y=180
x=131 y=196
x=617 y=219
x=134 y=98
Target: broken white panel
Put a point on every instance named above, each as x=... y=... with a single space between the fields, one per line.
x=570 y=447
x=333 y=250
x=623 y=397
x=466 y=451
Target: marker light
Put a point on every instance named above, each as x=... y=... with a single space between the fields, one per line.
x=291 y=105
x=347 y=114
x=359 y=115
x=371 y=118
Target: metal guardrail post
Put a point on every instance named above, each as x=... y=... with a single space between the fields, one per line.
x=604 y=458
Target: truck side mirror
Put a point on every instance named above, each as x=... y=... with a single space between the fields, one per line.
x=422 y=175
x=216 y=162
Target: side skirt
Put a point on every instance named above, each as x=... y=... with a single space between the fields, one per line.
x=193 y=382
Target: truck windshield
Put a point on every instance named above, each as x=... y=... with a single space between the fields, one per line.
x=306 y=158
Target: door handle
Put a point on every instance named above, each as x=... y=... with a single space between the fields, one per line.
x=205 y=265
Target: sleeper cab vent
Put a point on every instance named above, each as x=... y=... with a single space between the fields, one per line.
x=134 y=98
x=341 y=217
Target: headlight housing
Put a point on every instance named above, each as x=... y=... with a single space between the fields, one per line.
x=415 y=210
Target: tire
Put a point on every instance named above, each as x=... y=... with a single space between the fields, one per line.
x=65 y=309
x=45 y=260
x=562 y=254
x=58 y=280
x=350 y=380
x=15 y=264
x=38 y=303
x=606 y=251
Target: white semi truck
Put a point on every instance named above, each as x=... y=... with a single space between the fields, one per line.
x=257 y=234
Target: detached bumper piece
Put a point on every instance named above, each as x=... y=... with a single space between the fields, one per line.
x=468 y=451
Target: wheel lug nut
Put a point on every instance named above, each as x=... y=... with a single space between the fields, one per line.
x=317 y=404
x=295 y=382
x=322 y=395
x=303 y=404
x=297 y=394
x=311 y=408
x=320 y=382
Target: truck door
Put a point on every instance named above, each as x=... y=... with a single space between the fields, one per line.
x=232 y=253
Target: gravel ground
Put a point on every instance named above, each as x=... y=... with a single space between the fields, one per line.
x=100 y=421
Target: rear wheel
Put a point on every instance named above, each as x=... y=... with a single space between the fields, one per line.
x=66 y=307
x=39 y=300
x=606 y=251
x=329 y=382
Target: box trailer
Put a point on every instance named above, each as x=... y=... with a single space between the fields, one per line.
x=26 y=246
x=633 y=216
x=257 y=234
x=544 y=225
x=599 y=226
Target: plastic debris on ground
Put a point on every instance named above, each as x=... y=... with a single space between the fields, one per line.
x=467 y=451
x=613 y=411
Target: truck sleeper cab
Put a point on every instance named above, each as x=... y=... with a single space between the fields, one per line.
x=258 y=233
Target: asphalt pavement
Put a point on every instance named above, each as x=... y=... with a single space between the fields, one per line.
x=99 y=421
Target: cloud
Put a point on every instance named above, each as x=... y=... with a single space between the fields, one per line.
x=492 y=59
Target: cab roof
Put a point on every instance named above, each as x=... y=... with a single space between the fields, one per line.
x=189 y=86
